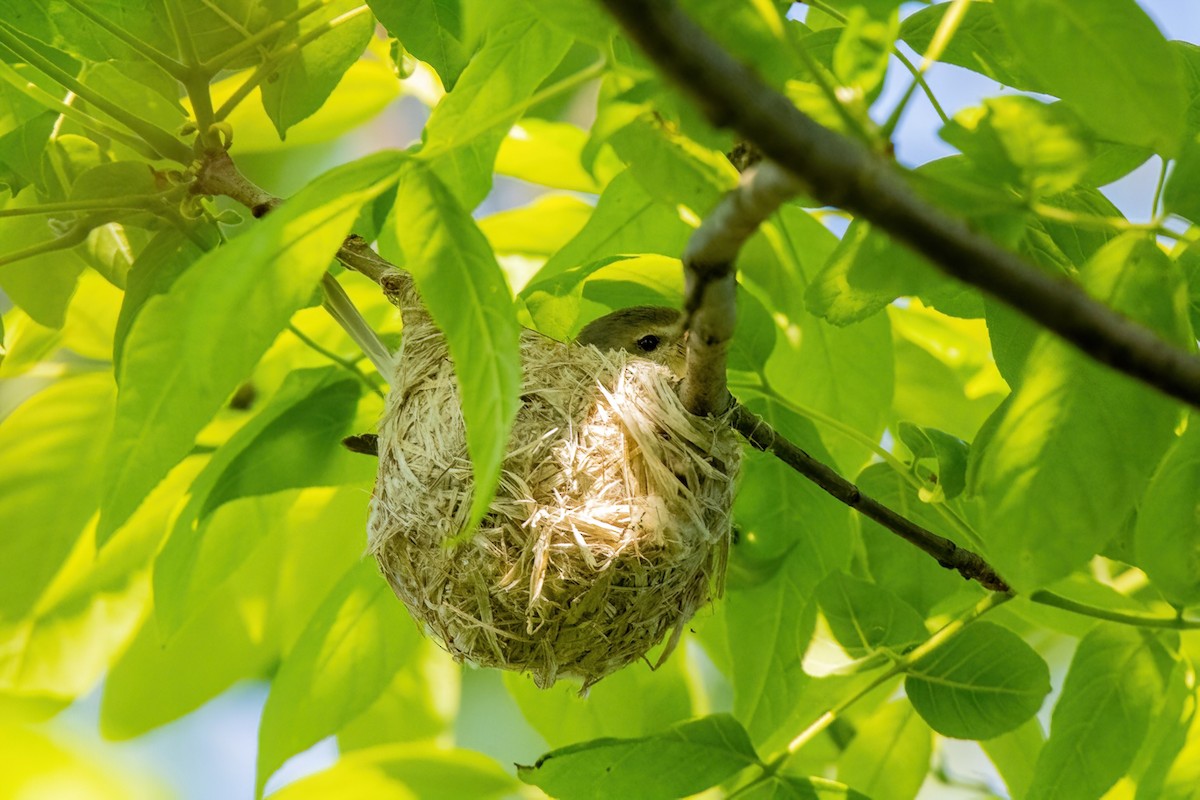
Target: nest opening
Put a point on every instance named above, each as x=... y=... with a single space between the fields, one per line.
x=610 y=527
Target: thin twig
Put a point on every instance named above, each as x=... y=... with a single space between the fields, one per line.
x=839 y=171
x=762 y=436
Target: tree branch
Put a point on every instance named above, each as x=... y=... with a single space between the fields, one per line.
x=762 y=436
x=843 y=173
x=710 y=291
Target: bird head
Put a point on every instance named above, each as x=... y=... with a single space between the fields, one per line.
x=652 y=332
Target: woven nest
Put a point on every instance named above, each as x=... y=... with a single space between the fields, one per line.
x=610 y=527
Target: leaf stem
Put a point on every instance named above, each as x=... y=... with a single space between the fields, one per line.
x=126 y=203
x=481 y=126
x=1156 y=202
x=345 y=313
x=145 y=49
x=918 y=74
x=76 y=234
x=215 y=64
x=902 y=664
x=344 y=363
x=82 y=118
x=273 y=61
x=1095 y=222
x=942 y=509
x=183 y=38
x=160 y=140
x=1176 y=622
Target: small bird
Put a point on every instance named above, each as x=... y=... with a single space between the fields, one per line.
x=652 y=332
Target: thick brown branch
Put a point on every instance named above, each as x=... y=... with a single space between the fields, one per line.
x=841 y=172
x=711 y=290
x=762 y=436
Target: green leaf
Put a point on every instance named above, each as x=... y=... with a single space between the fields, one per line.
x=1167 y=537
x=342 y=662
x=364 y=91
x=1041 y=148
x=895 y=564
x=792 y=535
x=789 y=787
x=1014 y=755
x=1169 y=728
x=1188 y=57
x=1179 y=195
x=178 y=367
x=21 y=152
x=95 y=604
x=866 y=272
x=432 y=30
x=582 y=19
x=845 y=373
x=626 y=220
x=420 y=704
x=949 y=452
x=59 y=24
x=1076 y=243
x=465 y=130
x=406 y=772
x=1073 y=448
x=860 y=59
x=1110 y=62
x=536 y=230
x=865 y=618
x=310 y=539
x=632 y=702
x=983 y=682
x=49 y=487
x=1113 y=687
x=682 y=760
x=40 y=285
x=889 y=755
x=305 y=81
x=464 y=289
x=546 y=153
x=153 y=272
x=673 y=169
x=292 y=442
x=755 y=32
x=979 y=44
x=300 y=447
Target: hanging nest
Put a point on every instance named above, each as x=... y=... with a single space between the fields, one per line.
x=610 y=527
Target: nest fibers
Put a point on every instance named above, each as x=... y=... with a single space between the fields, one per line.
x=610 y=526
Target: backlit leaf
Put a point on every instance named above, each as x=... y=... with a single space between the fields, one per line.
x=1109 y=61
x=406 y=772
x=304 y=82
x=465 y=291
x=342 y=662
x=680 y=761
x=982 y=683
x=178 y=369
x=1113 y=688
x=1073 y=447
x=1167 y=538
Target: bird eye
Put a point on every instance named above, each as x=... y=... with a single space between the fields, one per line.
x=647 y=343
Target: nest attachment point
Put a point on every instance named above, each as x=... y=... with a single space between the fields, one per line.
x=610 y=527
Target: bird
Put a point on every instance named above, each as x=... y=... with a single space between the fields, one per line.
x=652 y=332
